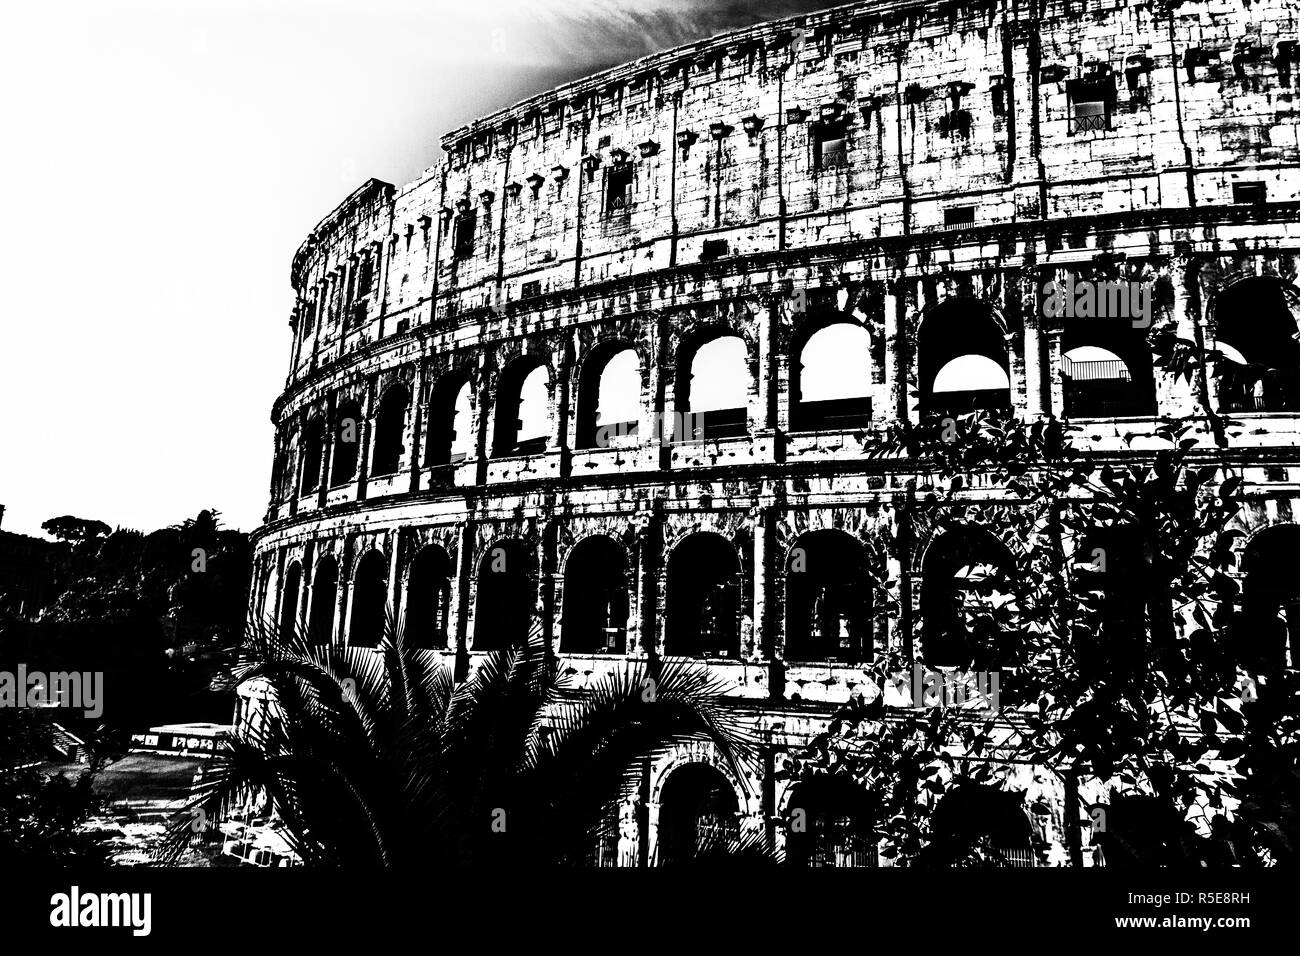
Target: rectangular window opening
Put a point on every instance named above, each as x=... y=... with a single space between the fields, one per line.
x=618 y=189
x=1089 y=116
x=714 y=249
x=830 y=146
x=463 y=239
x=1249 y=193
x=955 y=217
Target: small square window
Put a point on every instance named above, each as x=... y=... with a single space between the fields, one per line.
x=1275 y=473
x=1249 y=193
x=530 y=289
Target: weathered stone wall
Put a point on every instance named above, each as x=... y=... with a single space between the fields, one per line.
x=943 y=106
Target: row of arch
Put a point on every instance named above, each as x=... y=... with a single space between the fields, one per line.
x=828 y=822
x=963 y=363
x=828 y=598
x=830 y=607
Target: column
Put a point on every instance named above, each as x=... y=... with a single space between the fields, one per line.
x=415 y=443
x=395 y=580
x=482 y=411
x=464 y=583
x=549 y=581
x=563 y=406
x=649 y=543
x=342 y=599
x=363 y=454
x=761 y=523
x=1025 y=286
x=896 y=348
x=327 y=451
x=1179 y=394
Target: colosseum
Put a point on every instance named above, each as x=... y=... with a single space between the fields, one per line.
x=604 y=367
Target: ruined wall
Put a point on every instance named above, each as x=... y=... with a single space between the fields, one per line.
x=873 y=165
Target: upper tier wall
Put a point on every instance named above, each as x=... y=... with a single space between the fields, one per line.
x=953 y=114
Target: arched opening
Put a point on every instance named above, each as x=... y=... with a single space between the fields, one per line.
x=289 y=601
x=324 y=599
x=609 y=399
x=428 y=598
x=959 y=572
x=347 y=442
x=713 y=391
x=1255 y=329
x=962 y=360
x=1110 y=577
x=698 y=810
x=1270 y=637
x=523 y=418
x=827 y=599
x=287 y=474
x=450 y=437
x=831 y=380
x=1141 y=832
x=369 y=600
x=595 y=598
x=978 y=825
x=390 y=426
x=313 y=447
x=828 y=823
x=1107 y=373
x=507 y=594
x=704 y=598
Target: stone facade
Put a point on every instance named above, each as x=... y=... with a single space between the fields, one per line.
x=917 y=171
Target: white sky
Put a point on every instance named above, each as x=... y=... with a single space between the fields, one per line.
x=162 y=162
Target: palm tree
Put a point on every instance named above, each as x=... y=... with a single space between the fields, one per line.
x=376 y=757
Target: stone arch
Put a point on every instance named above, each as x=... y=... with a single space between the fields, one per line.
x=597 y=590
x=946 y=637
x=313 y=449
x=518 y=392
x=346 y=451
x=594 y=427
x=506 y=595
x=291 y=452
x=704 y=597
x=369 y=613
x=428 y=598
x=1256 y=325
x=828 y=822
x=390 y=429
x=324 y=600
x=841 y=368
x=449 y=437
x=828 y=598
x=731 y=361
x=1268 y=640
x=978 y=823
x=699 y=807
x=1107 y=370
x=961 y=358
x=1109 y=562
x=289 y=594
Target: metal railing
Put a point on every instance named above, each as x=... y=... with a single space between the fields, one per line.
x=1094 y=370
